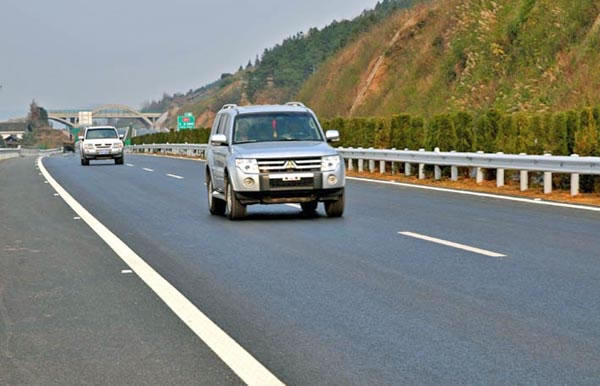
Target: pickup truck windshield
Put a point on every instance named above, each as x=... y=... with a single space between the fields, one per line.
x=275 y=127
x=101 y=134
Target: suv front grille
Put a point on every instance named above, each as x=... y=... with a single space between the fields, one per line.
x=289 y=165
x=103 y=146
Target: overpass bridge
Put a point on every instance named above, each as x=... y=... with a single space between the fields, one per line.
x=79 y=118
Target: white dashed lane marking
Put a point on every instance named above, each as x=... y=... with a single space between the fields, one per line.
x=175 y=176
x=148 y=170
x=452 y=244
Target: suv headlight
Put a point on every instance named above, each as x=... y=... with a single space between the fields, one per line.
x=88 y=146
x=117 y=145
x=330 y=164
x=248 y=166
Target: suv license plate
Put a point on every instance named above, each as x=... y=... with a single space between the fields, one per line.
x=103 y=152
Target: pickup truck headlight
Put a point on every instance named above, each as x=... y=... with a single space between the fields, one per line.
x=330 y=164
x=248 y=166
x=88 y=146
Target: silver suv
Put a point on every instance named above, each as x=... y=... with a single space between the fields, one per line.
x=272 y=155
x=100 y=143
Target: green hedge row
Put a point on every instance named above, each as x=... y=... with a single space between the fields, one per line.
x=561 y=133
x=185 y=136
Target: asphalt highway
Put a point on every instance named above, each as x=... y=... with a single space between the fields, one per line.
x=371 y=298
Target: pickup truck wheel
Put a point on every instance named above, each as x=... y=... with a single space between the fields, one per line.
x=234 y=210
x=335 y=208
x=309 y=207
x=216 y=207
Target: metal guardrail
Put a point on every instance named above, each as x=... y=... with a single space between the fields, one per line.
x=189 y=150
x=545 y=163
x=24 y=152
x=479 y=161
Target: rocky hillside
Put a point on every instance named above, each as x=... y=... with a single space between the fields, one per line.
x=449 y=55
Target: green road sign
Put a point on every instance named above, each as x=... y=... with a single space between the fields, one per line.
x=186 y=121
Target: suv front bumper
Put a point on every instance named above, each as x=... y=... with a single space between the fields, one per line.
x=99 y=155
x=288 y=196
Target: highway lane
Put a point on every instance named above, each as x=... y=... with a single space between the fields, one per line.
x=350 y=300
x=69 y=311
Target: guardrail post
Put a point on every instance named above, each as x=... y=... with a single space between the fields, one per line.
x=500 y=175
x=392 y=165
x=350 y=161
x=361 y=163
x=524 y=178
x=547 y=179
x=453 y=170
x=437 y=171
x=407 y=167
x=371 y=164
x=421 y=169
x=574 y=181
x=479 y=172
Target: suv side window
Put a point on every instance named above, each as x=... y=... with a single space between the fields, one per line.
x=223 y=124
x=216 y=124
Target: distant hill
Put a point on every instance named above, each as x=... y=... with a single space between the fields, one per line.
x=280 y=72
x=424 y=57
x=449 y=55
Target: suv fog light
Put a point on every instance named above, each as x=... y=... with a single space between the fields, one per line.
x=332 y=179
x=248 y=182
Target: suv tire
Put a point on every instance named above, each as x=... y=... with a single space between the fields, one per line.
x=335 y=208
x=120 y=161
x=309 y=207
x=85 y=162
x=216 y=207
x=233 y=208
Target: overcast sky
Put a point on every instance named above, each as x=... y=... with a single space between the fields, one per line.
x=81 y=53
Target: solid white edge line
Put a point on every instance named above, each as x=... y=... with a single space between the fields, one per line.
x=241 y=362
x=148 y=170
x=175 y=176
x=478 y=194
x=452 y=244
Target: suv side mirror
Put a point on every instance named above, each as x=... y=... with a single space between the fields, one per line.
x=121 y=136
x=332 y=136
x=80 y=137
x=218 y=139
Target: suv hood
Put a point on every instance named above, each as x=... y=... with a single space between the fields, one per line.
x=282 y=149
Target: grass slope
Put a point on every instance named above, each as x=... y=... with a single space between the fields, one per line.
x=512 y=55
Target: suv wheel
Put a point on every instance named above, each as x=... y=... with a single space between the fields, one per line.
x=233 y=209
x=119 y=161
x=309 y=207
x=335 y=208
x=85 y=162
x=216 y=207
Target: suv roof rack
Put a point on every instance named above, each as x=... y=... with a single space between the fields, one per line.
x=229 y=106
x=295 y=104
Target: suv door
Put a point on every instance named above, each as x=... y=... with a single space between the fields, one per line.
x=220 y=154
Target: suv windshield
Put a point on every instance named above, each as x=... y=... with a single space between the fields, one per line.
x=101 y=134
x=272 y=127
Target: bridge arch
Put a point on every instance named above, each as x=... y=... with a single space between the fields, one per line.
x=63 y=121
x=116 y=107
